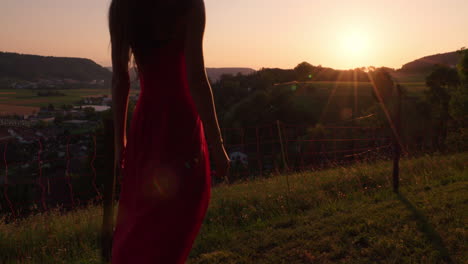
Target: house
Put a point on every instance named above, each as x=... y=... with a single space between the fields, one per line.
x=76 y=122
x=99 y=108
x=107 y=101
x=48 y=119
x=239 y=157
x=24 y=85
x=76 y=113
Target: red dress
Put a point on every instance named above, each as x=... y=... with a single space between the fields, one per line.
x=166 y=182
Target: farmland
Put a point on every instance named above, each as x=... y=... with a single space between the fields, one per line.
x=7 y=109
x=26 y=101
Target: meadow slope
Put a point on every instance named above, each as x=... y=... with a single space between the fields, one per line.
x=341 y=215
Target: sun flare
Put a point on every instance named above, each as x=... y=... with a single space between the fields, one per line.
x=355 y=43
x=354 y=47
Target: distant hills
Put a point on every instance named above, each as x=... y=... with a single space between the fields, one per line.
x=425 y=64
x=213 y=73
x=24 y=67
x=21 y=67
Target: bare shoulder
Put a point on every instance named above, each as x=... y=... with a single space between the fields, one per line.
x=197 y=4
x=197 y=15
x=194 y=44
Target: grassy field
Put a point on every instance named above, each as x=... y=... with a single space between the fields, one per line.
x=342 y=215
x=6 y=109
x=415 y=88
x=364 y=89
x=29 y=98
x=409 y=77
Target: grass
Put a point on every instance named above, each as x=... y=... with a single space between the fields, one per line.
x=27 y=97
x=341 y=215
x=6 y=109
x=409 y=77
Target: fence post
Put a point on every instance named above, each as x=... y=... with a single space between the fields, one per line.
x=396 y=143
x=259 y=158
x=98 y=193
x=285 y=139
x=7 y=182
x=285 y=165
x=273 y=148
x=68 y=176
x=40 y=180
x=108 y=204
x=282 y=146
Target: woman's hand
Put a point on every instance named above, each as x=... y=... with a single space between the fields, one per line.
x=221 y=161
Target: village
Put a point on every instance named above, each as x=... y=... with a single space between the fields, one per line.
x=55 y=84
x=50 y=137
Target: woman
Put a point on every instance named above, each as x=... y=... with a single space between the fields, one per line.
x=164 y=159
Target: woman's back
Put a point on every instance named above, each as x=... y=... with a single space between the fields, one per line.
x=165 y=110
x=166 y=171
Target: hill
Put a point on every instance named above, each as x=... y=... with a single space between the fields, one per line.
x=25 y=67
x=213 y=73
x=17 y=67
x=425 y=64
x=341 y=215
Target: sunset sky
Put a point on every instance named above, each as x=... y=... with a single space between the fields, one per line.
x=257 y=33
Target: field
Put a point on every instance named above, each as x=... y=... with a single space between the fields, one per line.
x=29 y=98
x=6 y=109
x=409 y=77
x=17 y=97
x=341 y=215
x=364 y=88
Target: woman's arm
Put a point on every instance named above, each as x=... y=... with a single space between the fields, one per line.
x=120 y=89
x=120 y=83
x=200 y=88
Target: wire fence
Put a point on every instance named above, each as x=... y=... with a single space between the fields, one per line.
x=274 y=148
x=67 y=171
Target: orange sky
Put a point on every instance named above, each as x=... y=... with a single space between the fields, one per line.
x=257 y=33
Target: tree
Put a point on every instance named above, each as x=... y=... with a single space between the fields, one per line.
x=463 y=65
x=459 y=96
x=41 y=124
x=383 y=84
x=90 y=112
x=303 y=71
x=58 y=117
x=442 y=81
x=68 y=116
x=66 y=107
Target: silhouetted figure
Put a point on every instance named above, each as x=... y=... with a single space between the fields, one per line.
x=164 y=159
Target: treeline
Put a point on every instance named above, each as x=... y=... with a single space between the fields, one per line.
x=31 y=67
x=262 y=97
x=430 y=121
x=448 y=96
x=50 y=93
x=437 y=119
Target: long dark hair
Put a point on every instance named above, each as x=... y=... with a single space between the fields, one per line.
x=142 y=26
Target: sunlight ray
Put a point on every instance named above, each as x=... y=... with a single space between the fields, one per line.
x=387 y=113
x=355 y=83
x=325 y=109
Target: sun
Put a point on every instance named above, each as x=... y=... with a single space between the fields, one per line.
x=355 y=46
x=355 y=43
